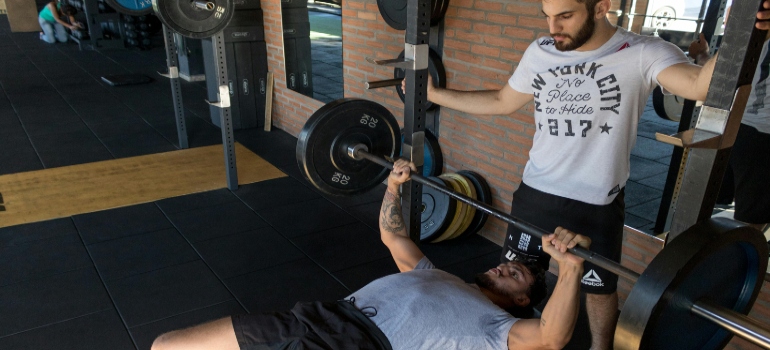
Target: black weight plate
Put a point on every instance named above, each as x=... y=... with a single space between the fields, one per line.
x=433 y=160
x=484 y=194
x=718 y=260
x=436 y=70
x=322 y=145
x=393 y=12
x=434 y=151
x=436 y=207
x=439 y=11
x=182 y=17
x=132 y=7
x=668 y=107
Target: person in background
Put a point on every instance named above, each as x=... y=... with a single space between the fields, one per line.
x=750 y=157
x=52 y=21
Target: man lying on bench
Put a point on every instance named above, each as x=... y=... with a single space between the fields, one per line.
x=420 y=308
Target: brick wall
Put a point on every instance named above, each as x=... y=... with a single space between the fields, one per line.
x=483 y=43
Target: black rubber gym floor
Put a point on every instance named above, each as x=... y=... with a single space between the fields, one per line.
x=116 y=279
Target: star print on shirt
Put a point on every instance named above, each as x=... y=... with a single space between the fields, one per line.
x=540 y=126
x=606 y=128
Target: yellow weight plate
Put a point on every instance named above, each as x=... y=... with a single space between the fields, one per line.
x=459 y=212
x=470 y=192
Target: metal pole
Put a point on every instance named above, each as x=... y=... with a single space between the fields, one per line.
x=172 y=62
x=740 y=324
x=225 y=119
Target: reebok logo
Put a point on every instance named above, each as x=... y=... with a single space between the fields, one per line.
x=524 y=241
x=2 y=204
x=592 y=279
x=625 y=46
x=614 y=190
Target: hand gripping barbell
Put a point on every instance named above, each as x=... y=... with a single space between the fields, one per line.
x=693 y=295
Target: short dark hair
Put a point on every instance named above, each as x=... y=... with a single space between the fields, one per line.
x=537 y=291
x=590 y=4
x=69 y=10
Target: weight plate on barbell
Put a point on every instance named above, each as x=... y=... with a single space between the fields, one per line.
x=436 y=70
x=183 y=17
x=718 y=260
x=132 y=7
x=322 y=145
x=484 y=194
x=437 y=209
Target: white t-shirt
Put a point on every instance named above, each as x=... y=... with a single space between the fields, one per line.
x=587 y=107
x=757 y=113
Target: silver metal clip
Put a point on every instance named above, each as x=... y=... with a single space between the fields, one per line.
x=173 y=73
x=224 y=97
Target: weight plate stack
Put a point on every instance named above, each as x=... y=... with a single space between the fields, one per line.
x=484 y=194
x=470 y=190
x=460 y=213
x=436 y=213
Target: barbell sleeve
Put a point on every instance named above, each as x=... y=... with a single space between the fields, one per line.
x=204 y=5
x=740 y=324
x=598 y=260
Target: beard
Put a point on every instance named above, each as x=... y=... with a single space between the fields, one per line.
x=484 y=281
x=586 y=32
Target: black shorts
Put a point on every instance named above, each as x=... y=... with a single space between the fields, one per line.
x=602 y=223
x=312 y=325
x=750 y=166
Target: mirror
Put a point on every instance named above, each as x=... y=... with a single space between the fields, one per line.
x=312 y=32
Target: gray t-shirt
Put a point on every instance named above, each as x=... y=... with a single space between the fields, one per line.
x=757 y=113
x=430 y=309
x=587 y=107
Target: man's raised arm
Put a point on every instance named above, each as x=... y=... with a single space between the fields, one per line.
x=392 y=227
x=554 y=328
x=691 y=81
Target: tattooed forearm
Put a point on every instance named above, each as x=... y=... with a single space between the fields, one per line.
x=391 y=219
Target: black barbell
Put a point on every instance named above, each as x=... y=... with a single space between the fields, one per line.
x=693 y=295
